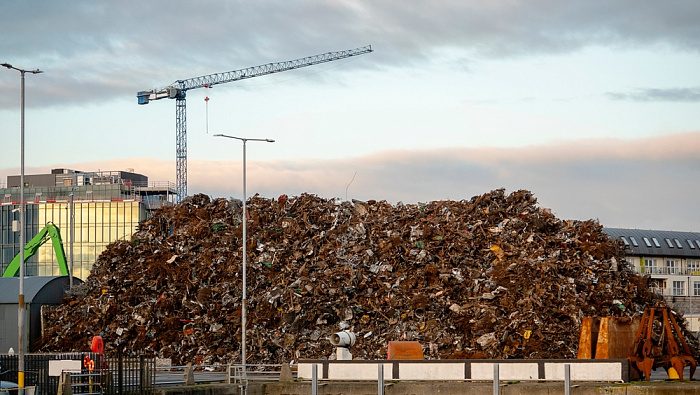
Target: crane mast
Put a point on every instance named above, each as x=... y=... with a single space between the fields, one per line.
x=177 y=90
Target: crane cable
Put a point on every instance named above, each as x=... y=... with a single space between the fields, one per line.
x=206 y=101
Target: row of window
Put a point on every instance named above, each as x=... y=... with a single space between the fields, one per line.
x=675 y=243
x=90 y=193
x=678 y=288
x=673 y=266
x=95 y=225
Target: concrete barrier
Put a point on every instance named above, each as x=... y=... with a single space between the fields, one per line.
x=479 y=388
x=614 y=370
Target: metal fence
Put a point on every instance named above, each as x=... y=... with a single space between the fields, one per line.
x=239 y=374
x=36 y=370
x=110 y=375
x=129 y=375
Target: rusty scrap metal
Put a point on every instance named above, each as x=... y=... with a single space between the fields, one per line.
x=493 y=277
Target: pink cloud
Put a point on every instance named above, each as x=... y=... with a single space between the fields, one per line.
x=646 y=182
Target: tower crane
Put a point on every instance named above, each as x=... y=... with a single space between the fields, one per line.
x=178 y=89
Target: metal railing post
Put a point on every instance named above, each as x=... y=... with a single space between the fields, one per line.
x=120 y=374
x=496 y=380
x=567 y=379
x=380 y=379
x=140 y=374
x=314 y=379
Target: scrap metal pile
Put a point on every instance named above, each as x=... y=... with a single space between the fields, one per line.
x=491 y=277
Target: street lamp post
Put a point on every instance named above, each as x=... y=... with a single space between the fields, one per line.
x=20 y=318
x=72 y=234
x=243 y=308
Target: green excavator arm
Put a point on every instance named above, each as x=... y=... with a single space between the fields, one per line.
x=33 y=245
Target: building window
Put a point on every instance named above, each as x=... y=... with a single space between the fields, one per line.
x=625 y=240
x=670 y=245
x=650 y=265
x=694 y=267
x=678 y=243
x=690 y=243
x=696 y=288
x=671 y=266
x=656 y=242
x=678 y=288
x=647 y=242
x=634 y=242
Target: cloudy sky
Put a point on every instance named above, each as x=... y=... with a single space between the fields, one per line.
x=591 y=105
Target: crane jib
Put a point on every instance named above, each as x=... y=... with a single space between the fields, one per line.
x=249 y=72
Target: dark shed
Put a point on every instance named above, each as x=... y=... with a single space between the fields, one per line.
x=38 y=291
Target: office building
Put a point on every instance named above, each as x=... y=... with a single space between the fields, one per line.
x=91 y=209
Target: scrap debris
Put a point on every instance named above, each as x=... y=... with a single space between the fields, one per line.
x=491 y=277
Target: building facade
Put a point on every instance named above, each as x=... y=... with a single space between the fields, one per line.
x=91 y=209
x=672 y=260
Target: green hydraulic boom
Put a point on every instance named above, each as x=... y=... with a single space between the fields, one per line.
x=33 y=245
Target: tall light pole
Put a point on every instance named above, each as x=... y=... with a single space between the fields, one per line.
x=243 y=308
x=71 y=221
x=20 y=319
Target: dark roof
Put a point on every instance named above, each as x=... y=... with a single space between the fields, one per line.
x=682 y=244
x=37 y=289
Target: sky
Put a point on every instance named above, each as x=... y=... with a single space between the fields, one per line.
x=589 y=104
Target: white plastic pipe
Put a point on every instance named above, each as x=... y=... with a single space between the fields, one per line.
x=343 y=339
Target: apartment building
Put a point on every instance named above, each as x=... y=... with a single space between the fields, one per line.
x=672 y=260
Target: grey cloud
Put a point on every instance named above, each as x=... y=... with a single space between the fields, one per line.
x=688 y=95
x=121 y=47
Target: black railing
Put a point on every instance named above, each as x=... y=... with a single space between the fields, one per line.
x=117 y=375
x=130 y=375
x=36 y=370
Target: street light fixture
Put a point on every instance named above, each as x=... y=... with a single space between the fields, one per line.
x=243 y=308
x=20 y=320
